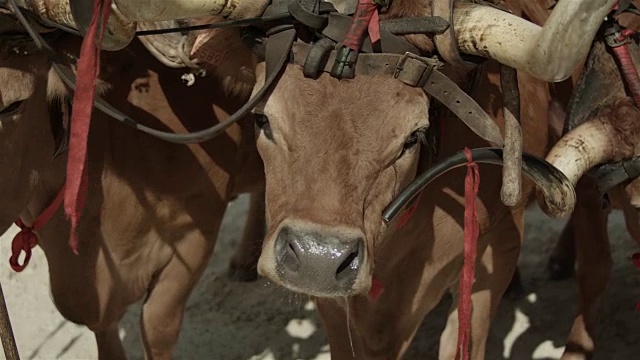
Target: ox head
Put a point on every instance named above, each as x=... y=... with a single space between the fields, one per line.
x=336 y=152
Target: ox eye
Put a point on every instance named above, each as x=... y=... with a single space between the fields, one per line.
x=412 y=141
x=12 y=108
x=261 y=120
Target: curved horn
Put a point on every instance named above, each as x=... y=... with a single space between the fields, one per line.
x=154 y=10
x=76 y=15
x=594 y=142
x=550 y=53
x=125 y=14
x=554 y=184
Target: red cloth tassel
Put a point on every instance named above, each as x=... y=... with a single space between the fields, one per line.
x=366 y=18
x=88 y=70
x=471 y=232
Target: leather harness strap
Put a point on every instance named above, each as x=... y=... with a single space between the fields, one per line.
x=423 y=73
x=446 y=42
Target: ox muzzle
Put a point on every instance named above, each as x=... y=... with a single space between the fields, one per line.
x=319 y=262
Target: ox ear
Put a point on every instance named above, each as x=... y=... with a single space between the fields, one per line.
x=59 y=116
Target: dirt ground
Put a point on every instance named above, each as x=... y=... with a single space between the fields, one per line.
x=227 y=320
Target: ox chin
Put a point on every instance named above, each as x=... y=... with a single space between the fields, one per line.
x=316 y=260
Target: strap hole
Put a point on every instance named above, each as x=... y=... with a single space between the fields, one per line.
x=470 y=112
x=457 y=101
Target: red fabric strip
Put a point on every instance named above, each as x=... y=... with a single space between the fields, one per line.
x=376 y=289
x=26 y=239
x=629 y=71
x=374 y=27
x=88 y=70
x=406 y=216
x=471 y=232
x=360 y=22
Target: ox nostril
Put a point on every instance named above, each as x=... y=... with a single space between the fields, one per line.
x=288 y=250
x=291 y=259
x=347 y=262
x=348 y=268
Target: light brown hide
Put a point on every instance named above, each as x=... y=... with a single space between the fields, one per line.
x=330 y=160
x=154 y=209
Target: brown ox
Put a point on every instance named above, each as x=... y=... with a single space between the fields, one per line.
x=607 y=132
x=337 y=151
x=154 y=208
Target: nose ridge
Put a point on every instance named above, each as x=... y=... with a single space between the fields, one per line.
x=318 y=263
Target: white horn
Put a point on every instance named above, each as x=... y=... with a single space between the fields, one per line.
x=56 y=11
x=118 y=34
x=549 y=53
x=595 y=142
x=154 y=10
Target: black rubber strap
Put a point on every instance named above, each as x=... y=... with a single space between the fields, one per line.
x=553 y=183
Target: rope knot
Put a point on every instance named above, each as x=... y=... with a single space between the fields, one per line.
x=24 y=241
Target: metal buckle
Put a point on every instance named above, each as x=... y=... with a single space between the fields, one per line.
x=431 y=64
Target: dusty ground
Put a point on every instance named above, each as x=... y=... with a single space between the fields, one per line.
x=227 y=320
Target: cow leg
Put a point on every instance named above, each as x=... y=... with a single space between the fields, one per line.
x=593 y=267
x=562 y=260
x=109 y=344
x=163 y=310
x=498 y=264
x=243 y=266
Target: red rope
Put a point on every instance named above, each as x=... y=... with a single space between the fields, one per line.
x=88 y=70
x=628 y=71
x=471 y=232
x=26 y=239
x=365 y=18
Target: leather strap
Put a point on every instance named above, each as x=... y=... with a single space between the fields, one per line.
x=338 y=25
x=307 y=12
x=460 y=103
x=446 y=42
x=418 y=25
x=423 y=73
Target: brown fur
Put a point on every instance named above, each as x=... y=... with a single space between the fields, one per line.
x=154 y=208
x=330 y=161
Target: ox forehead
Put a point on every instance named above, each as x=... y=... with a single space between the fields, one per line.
x=408 y=68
